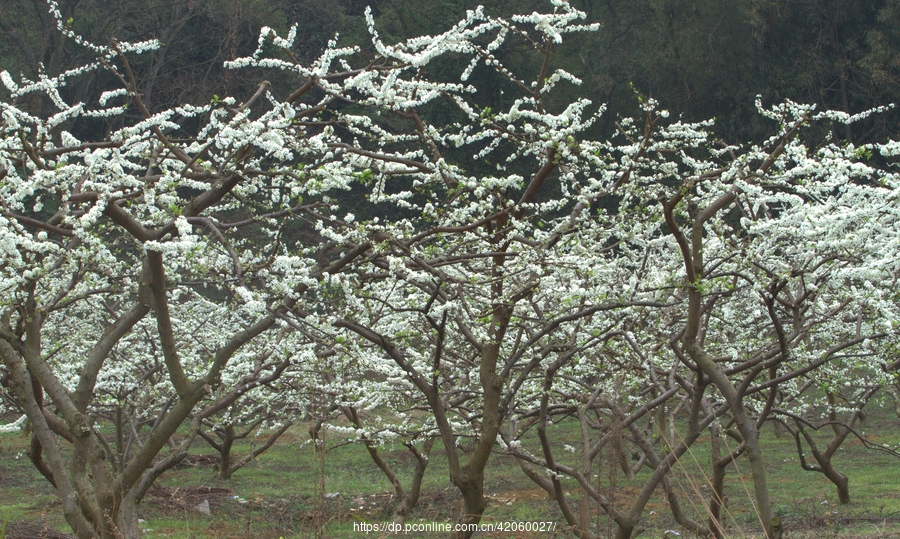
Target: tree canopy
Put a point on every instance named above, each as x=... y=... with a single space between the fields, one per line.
x=448 y=228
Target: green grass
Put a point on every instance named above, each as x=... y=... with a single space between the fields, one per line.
x=278 y=488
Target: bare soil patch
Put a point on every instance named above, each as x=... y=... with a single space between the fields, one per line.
x=33 y=530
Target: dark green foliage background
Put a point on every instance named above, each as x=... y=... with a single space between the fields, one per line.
x=700 y=58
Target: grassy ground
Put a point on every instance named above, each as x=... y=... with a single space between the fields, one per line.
x=272 y=497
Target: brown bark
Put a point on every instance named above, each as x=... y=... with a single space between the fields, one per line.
x=406 y=498
x=468 y=477
x=558 y=493
x=720 y=464
x=99 y=495
x=692 y=254
x=584 y=507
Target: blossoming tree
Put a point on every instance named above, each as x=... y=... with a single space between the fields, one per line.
x=97 y=234
x=492 y=261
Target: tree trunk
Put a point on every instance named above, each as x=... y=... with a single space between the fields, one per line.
x=406 y=499
x=717 y=498
x=471 y=485
x=750 y=434
x=823 y=459
x=405 y=507
x=225 y=469
x=840 y=481
x=470 y=481
x=584 y=508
